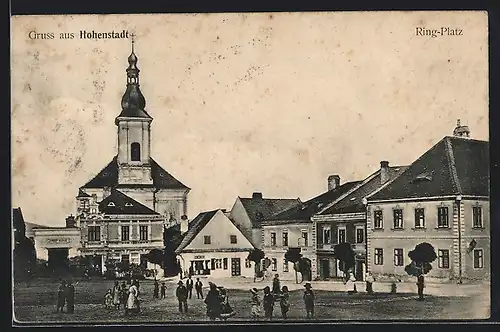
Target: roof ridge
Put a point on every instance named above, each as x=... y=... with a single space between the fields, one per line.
x=467 y=139
x=451 y=165
x=190 y=239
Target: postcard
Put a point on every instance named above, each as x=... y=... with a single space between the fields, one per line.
x=243 y=168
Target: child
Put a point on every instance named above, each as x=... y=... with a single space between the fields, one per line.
x=268 y=303
x=255 y=303
x=227 y=310
x=163 y=290
x=284 y=301
x=309 y=300
x=108 y=299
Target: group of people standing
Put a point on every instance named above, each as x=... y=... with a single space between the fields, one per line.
x=66 y=297
x=126 y=295
x=183 y=293
x=281 y=295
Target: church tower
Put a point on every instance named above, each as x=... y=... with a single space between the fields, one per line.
x=134 y=132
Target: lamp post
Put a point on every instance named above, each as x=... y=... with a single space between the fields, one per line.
x=458 y=202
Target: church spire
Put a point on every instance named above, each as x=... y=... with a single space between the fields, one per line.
x=133 y=101
x=461 y=131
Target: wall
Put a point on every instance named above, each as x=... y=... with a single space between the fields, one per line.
x=240 y=218
x=56 y=238
x=247 y=272
x=219 y=228
x=440 y=238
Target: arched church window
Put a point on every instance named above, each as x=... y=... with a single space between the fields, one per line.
x=135 y=151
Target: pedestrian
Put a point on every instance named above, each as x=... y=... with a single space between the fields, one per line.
x=255 y=302
x=181 y=294
x=138 y=297
x=276 y=285
x=124 y=295
x=156 y=289
x=108 y=299
x=61 y=296
x=133 y=293
x=309 y=300
x=70 y=298
x=268 y=303
x=227 y=311
x=350 y=285
x=163 y=290
x=284 y=301
x=213 y=303
x=199 y=288
x=420 y=287
x=189 y=286
x=116 y=292
x=369 y=283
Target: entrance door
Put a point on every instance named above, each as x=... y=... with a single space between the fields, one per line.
x=358 y=273
x=324 y=272
x=235 y=267
x=58 y=259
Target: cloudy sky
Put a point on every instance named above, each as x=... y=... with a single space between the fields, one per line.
x=241 y=102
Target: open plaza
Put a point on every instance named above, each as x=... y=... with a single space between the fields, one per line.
x=35 y=302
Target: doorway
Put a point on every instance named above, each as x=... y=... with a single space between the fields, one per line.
x=235 y=267
x=324 y=269
x=58 y=259
x=358 y=270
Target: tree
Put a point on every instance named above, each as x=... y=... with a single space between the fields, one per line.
x=345 y=255
x=304 y=267
x=157 y=257
x=172 y=238
x=256 y=256
x=293 y=255
x=421 y=258
x=24 y=258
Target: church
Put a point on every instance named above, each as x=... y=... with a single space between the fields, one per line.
x=122 y=211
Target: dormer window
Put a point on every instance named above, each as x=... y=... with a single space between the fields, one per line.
x=111 y=204
x=128 y=204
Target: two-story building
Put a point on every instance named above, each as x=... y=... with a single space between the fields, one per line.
x=344 y=220
x=293 y=228
x=441 y=199
x=249 y=212
x=213 y=246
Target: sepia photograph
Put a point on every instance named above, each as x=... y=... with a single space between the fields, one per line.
x=248 y=168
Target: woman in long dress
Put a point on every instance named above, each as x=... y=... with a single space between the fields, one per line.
x=212 y=300
x=133 y=292
x=116 y=295
x=227 y=310
x=255 y=303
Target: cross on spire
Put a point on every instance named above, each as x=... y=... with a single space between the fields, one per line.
x=132 y=35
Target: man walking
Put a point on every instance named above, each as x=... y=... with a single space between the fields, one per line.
x=70 y=298
x=309 y=300
x=189 y=286
x=61 y=296
x=199 y=288
x=182 y=295
x=420 y=287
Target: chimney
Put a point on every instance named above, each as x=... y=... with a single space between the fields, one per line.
x=184 y=224
x=257 y=195
x=70 y=221
x=333 y=182
x=384 y=171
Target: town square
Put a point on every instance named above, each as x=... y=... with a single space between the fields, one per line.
x=371 y=238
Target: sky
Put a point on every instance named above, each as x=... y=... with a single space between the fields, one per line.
x=242 y=103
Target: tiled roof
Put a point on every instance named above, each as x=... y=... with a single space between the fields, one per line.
x=353 y=202
x=134 y=112
x=259 y=209
x=304 y=211
x=108 y=177
x=195 y=226
x=453 y=166
x=119 y=203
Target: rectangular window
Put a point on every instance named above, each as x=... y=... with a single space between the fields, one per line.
x=273 y=239
x=378 y=219
x=477 y=217
x=443 y=217
x=143 y=233
x=207 y=239
x=233 y=239
x=285 y=266
x=94 y=233
x=224 y=263
x=341 y=238
x=398 y=219
x=218 y=263
x=274 y=264
x=443 y=259
x=360 y=235
x=305 y=237
x=379 y=256
x=126 y=259
x=125 y=233
x=285 y=239
x=398 y=257
x=478 y=259
x=327 y=235
x=419 y=218
x=248 y=264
